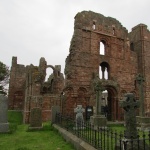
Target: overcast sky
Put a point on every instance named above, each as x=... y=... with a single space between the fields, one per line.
x=31 y=29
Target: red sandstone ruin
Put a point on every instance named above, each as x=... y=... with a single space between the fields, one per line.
x=124 y=55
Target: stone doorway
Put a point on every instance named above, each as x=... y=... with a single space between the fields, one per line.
x=112 y=104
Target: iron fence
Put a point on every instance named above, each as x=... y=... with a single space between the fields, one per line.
x=104 y=138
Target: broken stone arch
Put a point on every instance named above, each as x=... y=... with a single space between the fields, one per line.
x=55 y=72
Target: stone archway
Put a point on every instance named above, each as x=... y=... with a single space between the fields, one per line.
x=112 y=104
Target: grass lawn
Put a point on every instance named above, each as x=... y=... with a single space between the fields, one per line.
x=21 y=139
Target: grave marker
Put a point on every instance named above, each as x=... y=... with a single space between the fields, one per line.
x=131 y=141
x=129 y=104
x=4 y=125
x=79 y=116
x=36 y=118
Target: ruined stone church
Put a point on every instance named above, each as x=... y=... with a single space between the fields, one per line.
x=101 y=49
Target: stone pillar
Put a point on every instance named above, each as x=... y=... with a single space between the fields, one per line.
x=142 y=120
x=140 y=80
x=98 y=120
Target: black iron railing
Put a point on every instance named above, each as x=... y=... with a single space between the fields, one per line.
x=103 y=138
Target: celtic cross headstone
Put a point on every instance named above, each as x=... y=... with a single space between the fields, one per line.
x=79 y=116
x=129 y=104
x=131 y=141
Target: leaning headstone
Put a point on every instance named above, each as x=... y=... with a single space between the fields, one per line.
x=36 y=118
x=79 y=117
x=55 y=110
x=4 y=125
x=130 y=141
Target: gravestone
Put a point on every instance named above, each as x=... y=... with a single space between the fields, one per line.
x=35 y=118
x=55 y=110
x=79 y=117
x=4 y=125
x=130 y=141
x=98 y=119
x=129 y=104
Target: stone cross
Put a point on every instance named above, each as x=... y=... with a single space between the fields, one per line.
x=140 y=80
x=129 y=104
x=79 y=115
x=98 y=88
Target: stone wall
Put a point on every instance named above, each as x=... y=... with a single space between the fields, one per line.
x=116 y=66
x=29 y=89
x=16 y=85
x=121 y=61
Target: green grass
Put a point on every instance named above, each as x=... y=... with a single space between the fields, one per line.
x=20 y=138
x=15 y=117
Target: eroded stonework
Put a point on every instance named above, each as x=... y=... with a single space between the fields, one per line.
x=34 y=91
x=123 y=57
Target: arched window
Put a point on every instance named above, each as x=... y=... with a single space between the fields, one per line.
x=93 y=26
x=113 y=31
x=102 y=47
x=104 y=71
x=49 y=72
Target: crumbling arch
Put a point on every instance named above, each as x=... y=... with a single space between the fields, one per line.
x=54 y=70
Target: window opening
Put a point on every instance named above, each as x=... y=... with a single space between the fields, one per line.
x=102 y=48
x=106 y=74
x=104 y=71
x=49 y=72
x=94 y=26
x=113 y=31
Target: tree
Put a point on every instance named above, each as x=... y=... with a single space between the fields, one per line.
x=4 y=78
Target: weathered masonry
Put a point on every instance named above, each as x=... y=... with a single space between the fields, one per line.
x=28 y=88
x=101 y=51
x=102 y=47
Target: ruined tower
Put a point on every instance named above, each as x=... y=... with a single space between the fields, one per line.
x=102 y=47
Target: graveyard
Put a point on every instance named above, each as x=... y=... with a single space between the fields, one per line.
x=20 y=138
x=100 y=102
